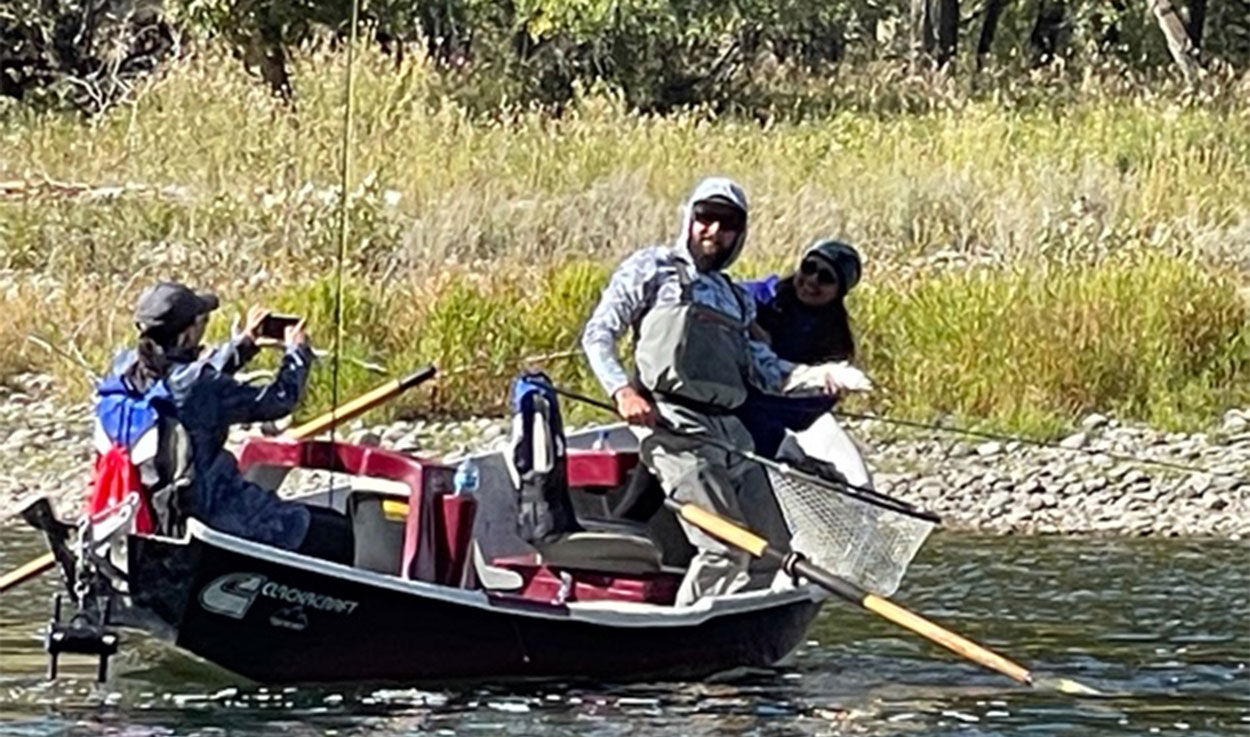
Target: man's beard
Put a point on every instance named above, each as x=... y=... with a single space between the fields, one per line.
x=714 y=261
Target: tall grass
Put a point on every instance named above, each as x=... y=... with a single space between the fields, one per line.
x=1025 y=263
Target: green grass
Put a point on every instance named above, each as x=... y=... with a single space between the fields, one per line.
x=1025 y=263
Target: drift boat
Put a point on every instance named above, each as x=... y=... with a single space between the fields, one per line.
x=441 y=588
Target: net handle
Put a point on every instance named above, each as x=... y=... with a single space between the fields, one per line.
x=860 y=493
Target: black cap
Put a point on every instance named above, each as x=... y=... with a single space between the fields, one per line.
x=171 y=307
x=841 y=257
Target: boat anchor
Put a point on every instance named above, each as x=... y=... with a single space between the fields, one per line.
x=82 y=635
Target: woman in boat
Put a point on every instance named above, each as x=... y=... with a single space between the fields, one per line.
x=198 y=387
x=803 y=315
x=804 y=319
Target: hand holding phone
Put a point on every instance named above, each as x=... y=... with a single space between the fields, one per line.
x=275 y=326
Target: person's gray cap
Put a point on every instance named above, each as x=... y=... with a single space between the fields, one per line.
x=172 y=307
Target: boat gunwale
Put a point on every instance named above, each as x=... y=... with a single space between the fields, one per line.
x=603 y=612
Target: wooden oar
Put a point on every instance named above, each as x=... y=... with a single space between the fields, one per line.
x=797 y=565
x=315 y=426
x=25 y=572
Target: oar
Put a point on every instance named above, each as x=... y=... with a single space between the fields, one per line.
x=797 y=565
x=27 y=571
x=315 y=426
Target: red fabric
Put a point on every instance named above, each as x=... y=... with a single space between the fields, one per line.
x=115 y=478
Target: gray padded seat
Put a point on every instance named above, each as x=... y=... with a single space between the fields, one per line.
x=610 y=552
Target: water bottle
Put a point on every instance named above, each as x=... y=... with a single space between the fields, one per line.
x=467 y=478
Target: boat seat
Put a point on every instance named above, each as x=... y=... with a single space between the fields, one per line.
x=608 y=552
x=494 y=578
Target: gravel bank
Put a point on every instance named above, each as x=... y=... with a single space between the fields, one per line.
x=985 y=486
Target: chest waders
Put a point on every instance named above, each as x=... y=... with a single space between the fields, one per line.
x=694 y=353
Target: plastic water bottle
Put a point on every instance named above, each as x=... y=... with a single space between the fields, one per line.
x=467 y=478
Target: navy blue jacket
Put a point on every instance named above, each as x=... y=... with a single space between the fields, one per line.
x=208 y=400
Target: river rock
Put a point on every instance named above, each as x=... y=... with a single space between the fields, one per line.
x=1235 y=421
x=1094 y=421
x=1075 y=441
x=989 y=449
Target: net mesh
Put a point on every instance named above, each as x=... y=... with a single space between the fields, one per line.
x=851 y=538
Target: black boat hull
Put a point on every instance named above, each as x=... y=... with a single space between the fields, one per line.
x=276 y=617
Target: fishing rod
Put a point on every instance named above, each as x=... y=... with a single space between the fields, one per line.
x=1031 y=441
x=345 y=164
x=864 y=494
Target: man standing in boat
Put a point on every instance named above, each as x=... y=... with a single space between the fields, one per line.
x=696 y=364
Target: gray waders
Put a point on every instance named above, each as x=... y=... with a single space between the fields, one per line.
x=695 y=362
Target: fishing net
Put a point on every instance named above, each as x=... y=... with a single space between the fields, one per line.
x=868 y=539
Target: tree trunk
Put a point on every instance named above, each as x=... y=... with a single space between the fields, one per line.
x=1048 y=30
x=919 y=31
x=989 y=26
x=1197 y=21
x=934 y=30
x=1180 y=45
x=946 y=25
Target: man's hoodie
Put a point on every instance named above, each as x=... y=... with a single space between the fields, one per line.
x=650 y=277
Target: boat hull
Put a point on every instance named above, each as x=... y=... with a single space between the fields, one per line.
x=275 y=617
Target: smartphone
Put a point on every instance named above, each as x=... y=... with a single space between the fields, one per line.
x=275 y=325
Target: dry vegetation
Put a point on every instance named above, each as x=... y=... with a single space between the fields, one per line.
x=1025 y=262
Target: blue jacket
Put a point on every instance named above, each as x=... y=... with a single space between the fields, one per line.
x=208 y=400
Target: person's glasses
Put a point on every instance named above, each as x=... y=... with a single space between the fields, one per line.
x=729 y=219
x=823 y=275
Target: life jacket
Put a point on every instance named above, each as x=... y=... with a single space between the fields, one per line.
x=141 y=449
x=693 y=352
x=538 y=462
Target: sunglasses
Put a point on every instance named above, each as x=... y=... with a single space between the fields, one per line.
x=729 y=219
x=823 y=275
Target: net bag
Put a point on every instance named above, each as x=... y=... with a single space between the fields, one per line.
x=865 y=537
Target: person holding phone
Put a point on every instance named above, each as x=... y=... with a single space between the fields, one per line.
x=205 y=399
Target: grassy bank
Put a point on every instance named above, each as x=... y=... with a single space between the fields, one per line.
x=1025 y=264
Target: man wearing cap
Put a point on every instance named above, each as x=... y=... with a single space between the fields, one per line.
x=169 y=363
x=696 y=363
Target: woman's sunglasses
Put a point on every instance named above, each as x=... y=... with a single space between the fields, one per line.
x=823 y=275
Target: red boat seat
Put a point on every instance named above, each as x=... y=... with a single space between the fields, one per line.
x=599 y=469
x=552 y=585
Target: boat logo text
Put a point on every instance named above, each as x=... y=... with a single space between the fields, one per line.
x=232 y=595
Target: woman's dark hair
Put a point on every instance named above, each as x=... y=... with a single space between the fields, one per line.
x=833 y=342
x=151 y=358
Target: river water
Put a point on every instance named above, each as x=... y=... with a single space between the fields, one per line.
x=1162 y=625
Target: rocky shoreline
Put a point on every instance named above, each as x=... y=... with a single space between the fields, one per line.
x=1085 y=487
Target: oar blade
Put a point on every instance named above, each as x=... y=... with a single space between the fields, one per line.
x=1068 y=686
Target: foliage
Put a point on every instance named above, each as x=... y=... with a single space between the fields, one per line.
x=83 y=54
x=657 y=54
